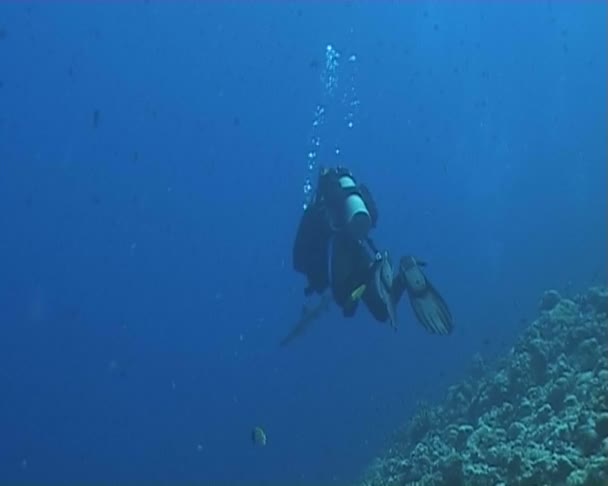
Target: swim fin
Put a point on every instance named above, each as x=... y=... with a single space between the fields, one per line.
x=428 y=305
x=383 y=279
x=309 y=315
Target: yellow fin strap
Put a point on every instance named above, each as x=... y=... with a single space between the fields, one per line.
x=358 y=292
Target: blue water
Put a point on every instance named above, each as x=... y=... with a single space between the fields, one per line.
x=152 y=159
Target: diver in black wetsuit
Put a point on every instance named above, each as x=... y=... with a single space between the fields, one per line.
x=333 y=249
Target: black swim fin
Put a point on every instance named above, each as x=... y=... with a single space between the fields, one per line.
x=383 y=279
x=428 y=305
x=309 y=315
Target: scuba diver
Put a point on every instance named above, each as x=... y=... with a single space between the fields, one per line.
x=333 y=249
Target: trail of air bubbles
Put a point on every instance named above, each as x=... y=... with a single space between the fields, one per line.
x=330 y=83
x=329 y=76
x=350 y=98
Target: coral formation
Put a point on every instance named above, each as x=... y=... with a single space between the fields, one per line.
x=539 y=416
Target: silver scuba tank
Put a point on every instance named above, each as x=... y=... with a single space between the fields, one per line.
x=356 y=215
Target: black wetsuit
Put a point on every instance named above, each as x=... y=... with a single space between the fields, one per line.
x=333 y=258
x=329 y=254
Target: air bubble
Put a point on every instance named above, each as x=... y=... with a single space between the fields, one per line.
x=338 y=81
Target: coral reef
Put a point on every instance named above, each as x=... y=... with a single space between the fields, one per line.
x=539 y=416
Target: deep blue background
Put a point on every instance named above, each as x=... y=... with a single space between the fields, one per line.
x=145 y=273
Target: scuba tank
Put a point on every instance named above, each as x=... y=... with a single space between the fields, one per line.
x=349 y=205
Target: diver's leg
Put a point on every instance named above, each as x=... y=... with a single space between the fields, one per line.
x=374 y=304
x=349 y=263
x=379 y=295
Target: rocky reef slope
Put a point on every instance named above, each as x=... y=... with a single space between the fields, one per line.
x=537 y=417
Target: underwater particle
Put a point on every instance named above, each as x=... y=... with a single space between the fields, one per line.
x=96 y=117
x=258 y=437
x=199 y=447
x=115 y=368
x=236 y=121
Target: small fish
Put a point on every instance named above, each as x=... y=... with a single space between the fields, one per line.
x=308 y=317
x=258 y=436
